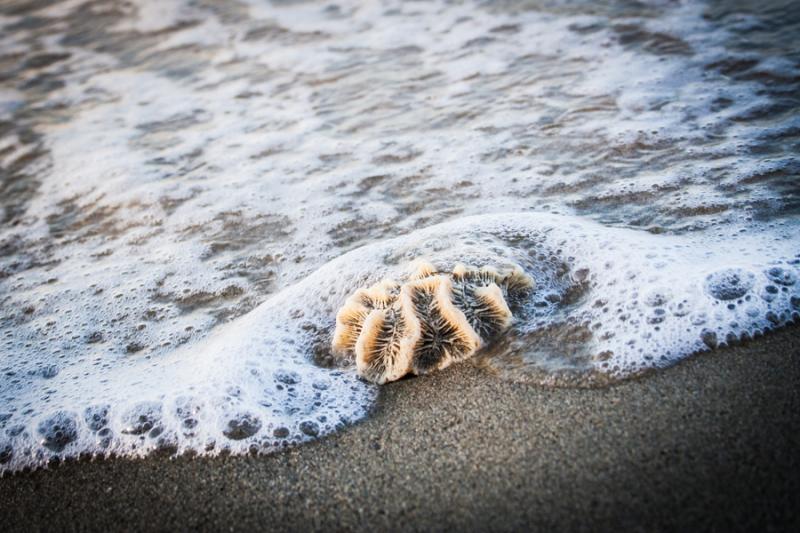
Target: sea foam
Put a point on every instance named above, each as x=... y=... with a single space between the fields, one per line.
x=629 y=301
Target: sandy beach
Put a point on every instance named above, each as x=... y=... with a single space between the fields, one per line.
x=710 y=444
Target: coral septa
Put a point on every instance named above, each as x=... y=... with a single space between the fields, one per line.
x=517 y=280
x=460 y=271
x=417 y=299
x=445 y=334
x=488 y=274
x=422 y=269
x=468 y=339
x=349 y=321
x=495 y=315
x=380 y=354
x=381 y=295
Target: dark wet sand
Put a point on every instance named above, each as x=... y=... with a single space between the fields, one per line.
x=711 y=444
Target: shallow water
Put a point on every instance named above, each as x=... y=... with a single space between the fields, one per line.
x=190 y=190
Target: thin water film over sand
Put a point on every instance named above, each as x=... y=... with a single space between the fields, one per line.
x=190 y=191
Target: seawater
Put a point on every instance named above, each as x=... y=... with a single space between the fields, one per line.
x=190 y=190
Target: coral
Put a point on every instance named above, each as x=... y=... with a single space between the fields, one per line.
x=427 y=323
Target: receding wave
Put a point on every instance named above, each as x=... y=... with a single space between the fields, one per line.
x=609 y=303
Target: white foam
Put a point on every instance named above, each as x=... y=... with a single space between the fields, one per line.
x=647 y=301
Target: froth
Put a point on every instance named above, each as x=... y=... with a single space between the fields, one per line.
x=618 y=301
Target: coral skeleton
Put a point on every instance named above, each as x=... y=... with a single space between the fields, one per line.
x=427 y=323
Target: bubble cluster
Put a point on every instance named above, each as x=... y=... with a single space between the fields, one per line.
x=729 y=284
x=58 y=430
x=242 y=426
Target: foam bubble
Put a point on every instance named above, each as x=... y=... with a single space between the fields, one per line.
x=58 y=430
x=729 y=283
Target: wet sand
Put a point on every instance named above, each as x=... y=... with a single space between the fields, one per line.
x=710 y=444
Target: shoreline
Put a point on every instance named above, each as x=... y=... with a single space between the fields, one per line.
x=710 y=443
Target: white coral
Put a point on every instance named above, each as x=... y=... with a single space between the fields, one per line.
x=427 y=323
